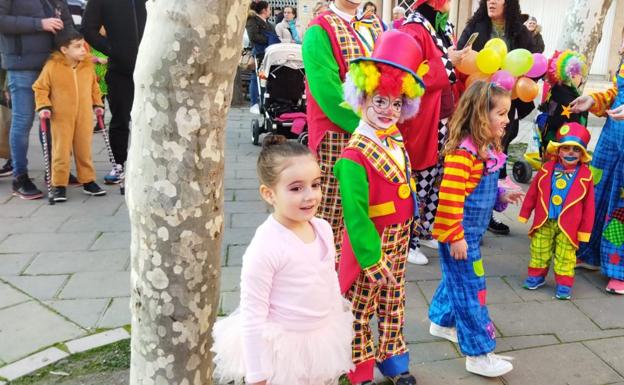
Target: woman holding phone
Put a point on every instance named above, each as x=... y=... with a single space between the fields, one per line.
x=501 y=19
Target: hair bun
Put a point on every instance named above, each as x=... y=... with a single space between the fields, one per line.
x=272 y=140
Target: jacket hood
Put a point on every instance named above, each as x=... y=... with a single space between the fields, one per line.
x=59 y=58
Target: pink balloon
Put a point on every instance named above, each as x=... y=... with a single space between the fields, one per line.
x=504 y=79
x=540 y=64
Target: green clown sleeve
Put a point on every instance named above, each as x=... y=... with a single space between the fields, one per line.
x=363 y=235
x=323 y=78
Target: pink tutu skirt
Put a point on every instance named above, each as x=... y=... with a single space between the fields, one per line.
x=312 y=357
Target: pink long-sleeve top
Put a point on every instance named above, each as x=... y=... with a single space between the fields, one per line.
x=287 y=282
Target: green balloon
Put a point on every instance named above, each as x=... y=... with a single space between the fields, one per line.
x=518 y=62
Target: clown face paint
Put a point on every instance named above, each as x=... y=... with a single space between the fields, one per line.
x=382 y=112
x=569 y=155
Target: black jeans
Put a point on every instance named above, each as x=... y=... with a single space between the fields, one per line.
x=120 y=97
x=510 y=134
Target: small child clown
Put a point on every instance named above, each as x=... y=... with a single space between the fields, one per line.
x=562 y=195
x=378 y=200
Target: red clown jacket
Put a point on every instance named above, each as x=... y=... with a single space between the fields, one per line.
x=577 y=215
x=421 y=132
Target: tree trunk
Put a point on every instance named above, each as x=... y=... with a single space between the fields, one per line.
x=184 y=74
x=582 y=30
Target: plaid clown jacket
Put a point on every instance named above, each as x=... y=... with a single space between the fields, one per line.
x=577 y=214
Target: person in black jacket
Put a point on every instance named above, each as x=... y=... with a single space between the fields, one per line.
x=124 y=22
x=501 y=19
x=536 y=33
x=261 y=34
x=27 y=28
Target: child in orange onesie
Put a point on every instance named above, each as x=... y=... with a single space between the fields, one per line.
x=67 y=93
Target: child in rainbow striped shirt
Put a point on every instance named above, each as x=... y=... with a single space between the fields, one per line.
x=468 y=193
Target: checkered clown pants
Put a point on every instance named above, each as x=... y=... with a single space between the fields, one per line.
x=386 y=303
x=547 y=242
x=330 y=209
x=428 y=187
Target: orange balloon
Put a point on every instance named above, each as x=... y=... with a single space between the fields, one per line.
x=514 y=94
x=476 y=76
x=526 y=89
x=468 y=65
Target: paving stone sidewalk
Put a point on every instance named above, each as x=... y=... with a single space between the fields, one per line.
x=64 y=274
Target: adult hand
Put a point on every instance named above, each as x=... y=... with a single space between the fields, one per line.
x=459 y=250
x=513 y=197
x=582 y=104
x=52 y=24
x=616 y=113
x=45 y=114
x=456 y=56
x=259 y=383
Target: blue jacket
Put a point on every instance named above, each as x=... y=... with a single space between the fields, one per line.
x=24 y=45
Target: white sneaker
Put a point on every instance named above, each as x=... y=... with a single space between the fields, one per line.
x=443 y=332
x=255 y=109
x=430 y=243
x=416 y=257
x=489 y=365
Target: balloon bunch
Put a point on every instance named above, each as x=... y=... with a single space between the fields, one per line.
x=511 y=70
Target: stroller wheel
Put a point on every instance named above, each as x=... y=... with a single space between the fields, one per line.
x=255 y=132
x=522 y=171
x=303 y=138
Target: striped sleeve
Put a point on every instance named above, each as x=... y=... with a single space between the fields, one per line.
x=461 y=175
x=603 y=101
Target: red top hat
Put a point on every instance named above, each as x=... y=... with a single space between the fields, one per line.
x=397 y=49
x=572 y=134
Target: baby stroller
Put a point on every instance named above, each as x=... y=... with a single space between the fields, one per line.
x=523 y=169
x=282 y=103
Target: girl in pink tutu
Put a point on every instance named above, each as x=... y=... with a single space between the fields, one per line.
x=292 y=326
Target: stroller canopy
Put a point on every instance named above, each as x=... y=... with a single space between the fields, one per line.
x=282 y=54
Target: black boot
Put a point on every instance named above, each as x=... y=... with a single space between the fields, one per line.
x=24 y=188
x=497 y=227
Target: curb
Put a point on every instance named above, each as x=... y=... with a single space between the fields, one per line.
x=57 y=352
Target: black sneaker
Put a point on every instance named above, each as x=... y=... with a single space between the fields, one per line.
x=73 y=181
x=93 y=189
x=497 y=227
x=60 y=194
x=7 y=169
x=403 y=379
x=24 y=188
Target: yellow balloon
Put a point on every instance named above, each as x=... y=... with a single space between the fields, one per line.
x=499 y=46
x=488 y=61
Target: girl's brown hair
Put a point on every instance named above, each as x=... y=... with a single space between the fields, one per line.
x=276 y=150
x=471 y=118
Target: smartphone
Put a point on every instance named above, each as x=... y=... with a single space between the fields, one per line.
x=472 y=39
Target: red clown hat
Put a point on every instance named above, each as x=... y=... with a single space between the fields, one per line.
x=572 y=134
x=399 y=50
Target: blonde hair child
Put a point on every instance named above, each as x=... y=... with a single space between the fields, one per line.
x=468 y=193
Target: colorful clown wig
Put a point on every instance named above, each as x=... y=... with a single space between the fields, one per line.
x=563 y=66
x=367 y=77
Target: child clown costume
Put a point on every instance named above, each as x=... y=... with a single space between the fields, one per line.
x=378 y=197
x=562 y=196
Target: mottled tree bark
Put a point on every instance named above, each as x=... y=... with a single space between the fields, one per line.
x=583 y=26
x=184 y=76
